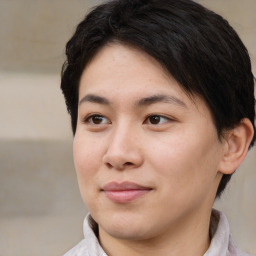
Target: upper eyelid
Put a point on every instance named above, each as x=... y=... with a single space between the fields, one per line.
x=87 y=117
x=93 y=114
x=161 y=115
x=167 y=120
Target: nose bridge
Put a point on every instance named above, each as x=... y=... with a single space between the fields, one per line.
x=123 y=149
x=122 y=135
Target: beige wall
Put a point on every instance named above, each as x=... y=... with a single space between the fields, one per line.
x=41 y=211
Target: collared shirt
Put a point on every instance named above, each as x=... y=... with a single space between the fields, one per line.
x=221 y=244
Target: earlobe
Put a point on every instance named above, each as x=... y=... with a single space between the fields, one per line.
x=236 y=144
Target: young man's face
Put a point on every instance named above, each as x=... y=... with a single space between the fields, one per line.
x=146 y=155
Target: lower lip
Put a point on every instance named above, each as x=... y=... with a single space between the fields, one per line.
x=125 y=196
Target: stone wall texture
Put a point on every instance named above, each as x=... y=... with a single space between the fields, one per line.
x=41 y=211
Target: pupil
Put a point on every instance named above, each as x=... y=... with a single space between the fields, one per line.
x=155 y=119
x=97 y=119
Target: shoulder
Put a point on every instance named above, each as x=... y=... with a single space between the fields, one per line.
x=234 y=250
x=221 y=239
x=90 y=245
x=79 y=250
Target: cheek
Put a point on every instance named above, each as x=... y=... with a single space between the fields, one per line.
x=187 y=163
x=87 y=159
x=86 y=153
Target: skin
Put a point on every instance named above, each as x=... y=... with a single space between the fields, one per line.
x=176 y=154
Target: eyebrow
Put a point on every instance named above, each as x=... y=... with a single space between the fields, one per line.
x=95 y=99
x=158 y=98
x=161 y=98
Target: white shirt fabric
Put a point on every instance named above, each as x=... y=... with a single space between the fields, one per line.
x=222 y=243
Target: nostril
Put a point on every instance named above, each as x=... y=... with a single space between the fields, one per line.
x=120 y=167
x=128 y=163
x=109 y=165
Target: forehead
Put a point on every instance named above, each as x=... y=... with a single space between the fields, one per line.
x=115 y=60
x=119 y=69
x=124 y=58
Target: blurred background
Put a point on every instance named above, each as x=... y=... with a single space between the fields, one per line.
x=41 y=211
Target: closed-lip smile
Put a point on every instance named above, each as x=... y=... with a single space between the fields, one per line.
x=124 y=192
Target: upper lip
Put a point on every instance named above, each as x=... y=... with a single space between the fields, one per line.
x=117 y=186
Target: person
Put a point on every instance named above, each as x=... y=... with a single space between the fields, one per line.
x=161 y=98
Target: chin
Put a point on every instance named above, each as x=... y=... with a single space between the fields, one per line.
x=128 y=233
x=125 y=228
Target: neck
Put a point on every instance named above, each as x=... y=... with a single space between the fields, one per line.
x=188 y=237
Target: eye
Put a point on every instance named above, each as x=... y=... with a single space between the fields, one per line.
x=156 y=119
x=96 y=119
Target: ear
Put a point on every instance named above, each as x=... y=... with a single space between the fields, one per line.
x=236 y=143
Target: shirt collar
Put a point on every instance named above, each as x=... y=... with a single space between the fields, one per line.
x=221 y=244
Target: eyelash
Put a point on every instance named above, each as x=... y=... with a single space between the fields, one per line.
x=89 y=118
x=158 y=117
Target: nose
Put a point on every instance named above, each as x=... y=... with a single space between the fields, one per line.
x=124 y=150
